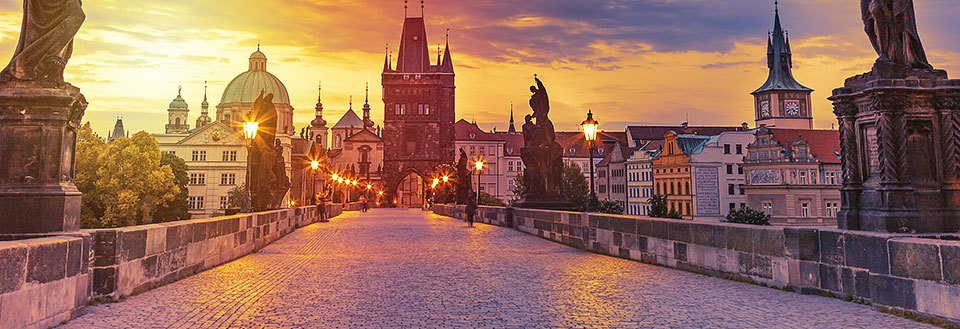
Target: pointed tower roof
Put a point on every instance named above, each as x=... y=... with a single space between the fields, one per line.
x=349 y=119
x=513 y=128
x=447 y=65
x=118 y=131
x=386 y=59
x=367 y=122
x=414 y=55
x=204 y=118
x=780 y=61
x=319 y=122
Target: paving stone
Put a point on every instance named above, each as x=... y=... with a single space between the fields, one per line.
x=410 y=269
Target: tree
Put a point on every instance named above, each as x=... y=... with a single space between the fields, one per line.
x=575 y=186
x=237 y=197
x=747 y=215
x=611 y=207
x=486 y=199
x=658 y=206
x=178 y=209
x=89 y=148
x=445 y=193
x=123 y=182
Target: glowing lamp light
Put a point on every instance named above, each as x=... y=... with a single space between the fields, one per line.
x=369 y=186
x=446 y=179
x=380 y=193
x=335 y=177
x=590 y=127
x=479 y=165
x=436 y=181
x=250 y=129
x=355 y=182
x=315 y=165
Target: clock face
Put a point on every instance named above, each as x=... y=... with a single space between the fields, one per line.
x=765 y=109
x=793 y=108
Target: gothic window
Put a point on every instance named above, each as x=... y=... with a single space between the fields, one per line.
x=426 y=109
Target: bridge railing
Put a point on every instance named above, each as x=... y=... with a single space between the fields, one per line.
x=915 y=273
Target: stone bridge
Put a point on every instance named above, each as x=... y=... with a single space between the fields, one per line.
x=403 y=268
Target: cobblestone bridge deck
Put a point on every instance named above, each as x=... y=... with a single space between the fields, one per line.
x=407 y=268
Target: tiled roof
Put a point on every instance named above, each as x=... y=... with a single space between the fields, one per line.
x=823 y=144
x=575 y=145
x=349 y=120
x=466 y=131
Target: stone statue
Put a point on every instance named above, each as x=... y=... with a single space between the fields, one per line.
x=269 y=179
x=542 y=157
x=891 y=26
x=46 y=41
x=464 y=179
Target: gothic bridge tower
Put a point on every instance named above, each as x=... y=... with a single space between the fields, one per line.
x=419 y=112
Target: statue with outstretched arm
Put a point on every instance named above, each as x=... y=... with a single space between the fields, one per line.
x=891 y=26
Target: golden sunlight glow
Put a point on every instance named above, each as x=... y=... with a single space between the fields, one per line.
x=250 y=129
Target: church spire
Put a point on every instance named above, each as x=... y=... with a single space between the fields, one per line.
x=204 y=118
x=780 y=59
x=318 y=121
x=367 y=122
x=386 y=58
x=513 y=128
x=447 y=66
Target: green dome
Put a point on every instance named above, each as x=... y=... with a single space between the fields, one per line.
x=178 y=103
x=246 y=87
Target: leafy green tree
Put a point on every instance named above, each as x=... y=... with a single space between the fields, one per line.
x=445 y=193
x=237 y=197
x=611 y=207
x=124 y=182
x=575 y=185
x=747 y=215
x=658 y=206
x=487 y=199
x=89 y=148
x=178 y=209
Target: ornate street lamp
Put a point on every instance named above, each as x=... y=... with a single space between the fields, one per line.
x=479 y=167
x=250 y=129
x=314 y=166
x=590 y=127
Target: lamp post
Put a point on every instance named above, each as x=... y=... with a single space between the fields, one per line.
x=479 y=166
x=249 y=134
x=590 y=133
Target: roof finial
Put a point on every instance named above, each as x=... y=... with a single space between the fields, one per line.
x=421 y=8
x=258 y=44
x=404 y=8
x=448 y=36
x=351 y=102
x=776 y=6
x=366 y=99
x=179 y=88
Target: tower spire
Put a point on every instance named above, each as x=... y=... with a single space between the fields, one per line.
x=405 y=9
x=386 y=58
x=513 y=128
x=367 y=122
x=421 y=8
x=447 y=66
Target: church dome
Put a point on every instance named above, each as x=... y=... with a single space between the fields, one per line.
x=246 y=87
x=178 y=103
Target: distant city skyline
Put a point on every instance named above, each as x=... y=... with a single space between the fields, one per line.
x=631 y=63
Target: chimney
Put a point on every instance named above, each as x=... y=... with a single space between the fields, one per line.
x=744 y=126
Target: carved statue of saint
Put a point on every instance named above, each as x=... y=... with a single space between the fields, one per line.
x=891 y=26
x=540 y=103
x=46 y=41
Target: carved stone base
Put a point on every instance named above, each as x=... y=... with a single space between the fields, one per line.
x=38 y=135
x=900 y=139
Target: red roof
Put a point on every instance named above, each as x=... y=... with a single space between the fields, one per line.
x=465 y=131
x=823 y=144
x=575 y=145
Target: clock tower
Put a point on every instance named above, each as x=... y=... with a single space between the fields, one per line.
x=782 y=102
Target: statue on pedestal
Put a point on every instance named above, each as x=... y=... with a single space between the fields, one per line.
x=269 y=179
x=463 y=179
x=891 y=26
x=542 y=157
x=39 y=118
x=899 y=132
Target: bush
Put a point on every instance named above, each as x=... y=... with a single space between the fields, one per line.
x=610 y=207
x=747 y=215
x=489 y=200
x=658 y=206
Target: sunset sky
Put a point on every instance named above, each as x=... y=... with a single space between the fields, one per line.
x=632 y=62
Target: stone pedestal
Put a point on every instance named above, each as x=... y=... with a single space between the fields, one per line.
x=38 y=136
x=900 y=141
x=544 y=179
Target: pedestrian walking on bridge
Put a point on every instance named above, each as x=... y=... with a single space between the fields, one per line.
x=471 y=208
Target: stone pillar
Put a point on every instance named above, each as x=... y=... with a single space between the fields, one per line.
x=900 y=139
x=38 y=136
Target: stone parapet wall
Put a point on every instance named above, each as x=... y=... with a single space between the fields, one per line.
x=919 y=274
x=43 y=280
x=48 y=278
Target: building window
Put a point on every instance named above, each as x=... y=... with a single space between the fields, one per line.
x=198 y=179
x=228 y=179
x=739 y=148
x=229 y=156
x=767 y=207
x=199 y=156
x=731 y=190
x=805 y=209
x=803 y=177
x=224 y=202
x=688 y=209
x=833 y=209
x=473 y=149
x=830 y=178
x=426 y=109
x=726 y=148
x=195 y=202
x=729 y=169
x=740 y=169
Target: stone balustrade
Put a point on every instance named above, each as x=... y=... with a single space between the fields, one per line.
x=916 y=273
x=48 y=278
